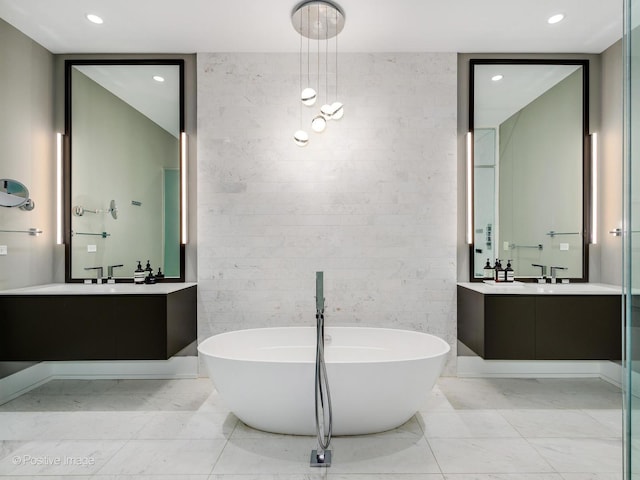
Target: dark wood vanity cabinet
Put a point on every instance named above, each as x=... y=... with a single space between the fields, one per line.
x=540 y=327
x=97 y=327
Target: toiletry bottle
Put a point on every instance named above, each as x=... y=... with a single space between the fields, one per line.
x=488 y=271
x=150 y=279
x=138 y=274
x=148 y=268
x=159 y=275
x=499 y=275
x=509 y=274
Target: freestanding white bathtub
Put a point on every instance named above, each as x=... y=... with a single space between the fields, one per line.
x=378 y=377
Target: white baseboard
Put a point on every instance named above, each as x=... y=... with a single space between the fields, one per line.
x=473 y=366
x=21 y=382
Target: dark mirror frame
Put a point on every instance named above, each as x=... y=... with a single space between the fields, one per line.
x=586 y=156
x=68 y=136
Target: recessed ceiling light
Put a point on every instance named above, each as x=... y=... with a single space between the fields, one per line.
x=94 y=18
x=158 y=78
x=497 y=78
x=555 y=18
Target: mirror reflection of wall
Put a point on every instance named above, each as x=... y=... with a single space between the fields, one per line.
x=125 y=150
x=484 y=177
x=528 y=167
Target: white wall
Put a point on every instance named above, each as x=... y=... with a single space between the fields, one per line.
x=610 y=166
x=28 y=155
x=27 y=139
x=541 y=156
x=371 y=201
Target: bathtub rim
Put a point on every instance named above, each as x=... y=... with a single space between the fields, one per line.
x=445 y=347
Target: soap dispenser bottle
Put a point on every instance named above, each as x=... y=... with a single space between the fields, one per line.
x=499 y=272
x=509 y=274
x=150 y=277
x=138 y=274
x=488 y=271
x=159 y=275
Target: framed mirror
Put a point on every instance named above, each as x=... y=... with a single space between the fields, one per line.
x=124 y=121
x=531 y=170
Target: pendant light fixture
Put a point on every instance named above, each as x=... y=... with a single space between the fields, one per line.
x=318 y=20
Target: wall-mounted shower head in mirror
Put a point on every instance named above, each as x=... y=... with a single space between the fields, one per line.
x=15 y=194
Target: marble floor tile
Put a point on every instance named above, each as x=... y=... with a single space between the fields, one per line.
x=375 y=454
x=613 y=418
x=9 y=446
x=73 y=387
x=197 y=386
x=550 y=429
x=385 y=476
x=108 y=477
x=436 y=401
x=65 y=457
x=581 y=455
x=71 y=425
x=593 y=476
x=320 y=474
x=173 y=457
x=466 y=424
x=488 y=455
x=504 y=476
x=557 y=423
x=281 y=454
x=214 y=403
x=183 y=425
x=526 y=393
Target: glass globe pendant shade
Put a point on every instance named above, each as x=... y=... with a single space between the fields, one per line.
x=301 y=138
x=326 y=111
x=318 y=124
x=337 y=110
x=308 y=96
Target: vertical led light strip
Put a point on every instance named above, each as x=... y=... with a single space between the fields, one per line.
x=59 y=199
x=183 y=188
x=594 y=188
x=469 y=189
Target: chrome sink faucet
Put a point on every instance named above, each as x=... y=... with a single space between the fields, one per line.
x=553 y=273
x=100 y=272
x=543 y=272
x=110 y=269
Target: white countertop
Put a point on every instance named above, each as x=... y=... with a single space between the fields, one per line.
x=521 y=288
x=102 y=289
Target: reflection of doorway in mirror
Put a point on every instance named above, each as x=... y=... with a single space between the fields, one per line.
x=485 y=192
x=171 y=240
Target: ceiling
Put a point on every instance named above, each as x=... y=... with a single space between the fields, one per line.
x=135 y=85
x=188 y=26
x=496 y=101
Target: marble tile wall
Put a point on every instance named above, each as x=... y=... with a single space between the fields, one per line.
x=371 y=201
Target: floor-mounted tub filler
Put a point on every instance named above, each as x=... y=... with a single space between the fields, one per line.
x=271 y=379
x=379 y=377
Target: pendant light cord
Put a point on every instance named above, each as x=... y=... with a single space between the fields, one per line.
x=300 y=64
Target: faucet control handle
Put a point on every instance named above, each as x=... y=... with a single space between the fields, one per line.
x=100 y=270
x=553 y=272
x=543 y=269
x=100 y=273
x=110 y=269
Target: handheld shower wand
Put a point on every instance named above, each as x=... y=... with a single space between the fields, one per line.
x=321 y=457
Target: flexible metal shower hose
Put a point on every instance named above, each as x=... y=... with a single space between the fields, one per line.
x=321 y=381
